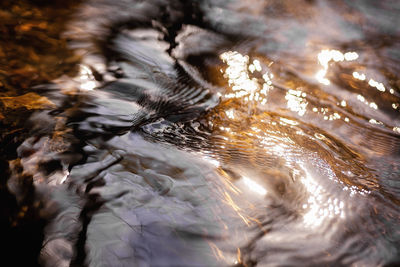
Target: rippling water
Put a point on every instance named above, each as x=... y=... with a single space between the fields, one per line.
x=200 y=133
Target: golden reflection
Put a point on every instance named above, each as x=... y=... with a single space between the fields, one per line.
x=228 y=184
x=230 y=113
x=319 y=136
x=236 y=208
x=28 y=101
x=326 y=56
x=236 y=72
x=333 y=116
x=238 y=257
x=396 y=130
x=216 y=251
x=296 y=102
x=226 y=129
x=238 y=75
x=319 y=205
x=287 y=121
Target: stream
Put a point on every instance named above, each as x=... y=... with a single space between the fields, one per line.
x=200 y=133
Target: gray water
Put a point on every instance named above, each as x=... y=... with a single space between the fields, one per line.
x=202 y=133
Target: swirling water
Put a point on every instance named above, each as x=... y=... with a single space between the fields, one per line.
x=200 y=133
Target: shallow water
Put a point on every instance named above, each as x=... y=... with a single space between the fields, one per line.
x=200 y=133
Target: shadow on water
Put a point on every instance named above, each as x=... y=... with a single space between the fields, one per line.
x=200 y=133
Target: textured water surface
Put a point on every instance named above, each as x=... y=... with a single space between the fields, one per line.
x=200 y=133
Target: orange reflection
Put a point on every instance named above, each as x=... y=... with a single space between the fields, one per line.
x=216 y=251
x=238 y=74
x=28 y=101
x=296 y=102
x=236 y=208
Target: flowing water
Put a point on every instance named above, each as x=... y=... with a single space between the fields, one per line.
x=200 y=133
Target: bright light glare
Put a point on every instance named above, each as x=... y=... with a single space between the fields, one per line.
x=359 y=76
x=377 y=85
x=86 y=78
x=239 y=78
x=253 y=186
x=326 y=56
x=318 y=207
x=296 y=102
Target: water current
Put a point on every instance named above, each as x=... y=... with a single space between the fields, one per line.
x=200 y=133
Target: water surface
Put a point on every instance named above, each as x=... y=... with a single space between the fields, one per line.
x=200 y=133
